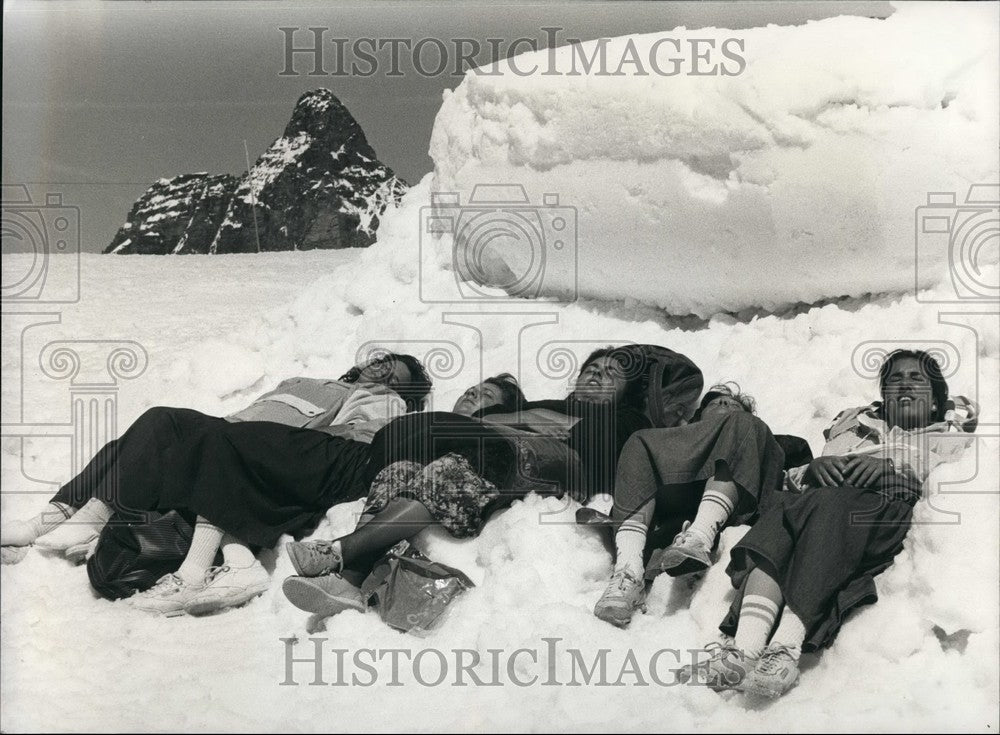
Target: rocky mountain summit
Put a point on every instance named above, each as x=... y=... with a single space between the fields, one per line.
x=320 y=185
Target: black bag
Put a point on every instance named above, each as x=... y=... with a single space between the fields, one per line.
x=675 y=383
x=131 y=557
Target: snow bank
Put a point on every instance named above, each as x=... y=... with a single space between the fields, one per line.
x=794 y=180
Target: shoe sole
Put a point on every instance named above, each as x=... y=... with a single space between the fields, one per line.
x=161 y=613
x=674 y=563
x=307 y=595
x=753 y=689
x=217 y=602
x=608 y=615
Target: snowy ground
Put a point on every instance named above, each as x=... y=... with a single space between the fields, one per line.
x=215 y=327
x=219 y=330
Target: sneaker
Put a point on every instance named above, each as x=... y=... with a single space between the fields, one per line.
x=625 y=594
x=16 y=533
x=167 y=597
x=726 y=669
x=12 y=554
x=776 y=672
x=228 y=586
x=79 y=553
x=68 y=535
x=314 y=558
x=327 y=595
x=689 y=553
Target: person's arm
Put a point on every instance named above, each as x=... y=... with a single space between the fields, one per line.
x=364 y=405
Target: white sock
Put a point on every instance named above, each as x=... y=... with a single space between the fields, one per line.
x=714 y=510
x=23 y=533
x=235 y=553
x=757 y=616
x=87 y=522
x=791 y=632
x=204 y=544
x=630 y=540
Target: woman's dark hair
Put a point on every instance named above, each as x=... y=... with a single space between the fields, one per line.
x=636 y=375
x=730 y=389
x=929 y=366
x=511 y=395
x=413 y=391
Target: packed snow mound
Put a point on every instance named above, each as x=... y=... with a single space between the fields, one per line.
x=790 y=174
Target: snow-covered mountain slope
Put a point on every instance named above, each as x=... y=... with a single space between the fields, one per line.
x=319 y=185
x=687 y=189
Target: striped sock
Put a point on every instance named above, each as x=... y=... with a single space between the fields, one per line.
x=714 y=510
x=630 y=540
x=757 y=616
x=791 y=632
x=236 y=554
x=204 y=544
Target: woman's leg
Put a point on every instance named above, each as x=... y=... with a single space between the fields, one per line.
x=240 y=579
x=761 y=603
x=447 y=491
x=23 y=533
x=636 y=483
x=124 y=475
x=691 y=549
x=732 y=665
x=174 y=591
x=716 y=506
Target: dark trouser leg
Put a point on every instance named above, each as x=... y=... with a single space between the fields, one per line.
x=126 y=473
x=636 y=481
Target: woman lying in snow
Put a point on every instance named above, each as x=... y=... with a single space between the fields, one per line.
x=459 y=483
x=716 y=469
x=255 y=483
x=164 y=458
x=811 y=556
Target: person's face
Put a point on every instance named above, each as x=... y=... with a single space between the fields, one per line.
x=721 y=405
x=601 y=381
x=907 y=394
x=477 y=398
x=387 y=371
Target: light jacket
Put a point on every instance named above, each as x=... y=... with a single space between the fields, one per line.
x=862 y=431
x=359 y=409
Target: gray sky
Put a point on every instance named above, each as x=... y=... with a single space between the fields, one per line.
x=102 y=99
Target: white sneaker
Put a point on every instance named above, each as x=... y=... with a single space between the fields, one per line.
x=228 y=586
x=69 y=534
x=16 y=533
x=776 y=671
x=80 y=553
x=167 y=597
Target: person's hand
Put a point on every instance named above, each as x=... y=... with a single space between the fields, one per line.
x=866 y=470
x=827 y=471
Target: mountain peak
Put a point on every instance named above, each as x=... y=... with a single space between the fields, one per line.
x=319 y=185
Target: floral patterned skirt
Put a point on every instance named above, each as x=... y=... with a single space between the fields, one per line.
x=448 y=487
